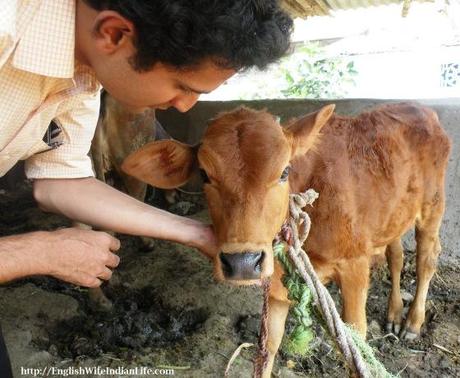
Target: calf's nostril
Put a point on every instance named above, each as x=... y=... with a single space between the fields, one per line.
x=259 y=261
x=226 y=265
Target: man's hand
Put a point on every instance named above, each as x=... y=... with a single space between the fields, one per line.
x=205 y=240
x=81 y=257
x=120 y=213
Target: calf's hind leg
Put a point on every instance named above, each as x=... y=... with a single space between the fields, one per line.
x=96 y=294
x=395 y=258
x=428 y=249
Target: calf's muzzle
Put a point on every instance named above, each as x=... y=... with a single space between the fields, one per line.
x=242 y=265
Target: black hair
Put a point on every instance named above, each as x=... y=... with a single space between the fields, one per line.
x=235 y=34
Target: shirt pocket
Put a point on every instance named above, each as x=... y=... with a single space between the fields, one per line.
x=52 y=139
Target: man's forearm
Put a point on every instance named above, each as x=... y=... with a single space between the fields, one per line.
x=93 y=202
x=20 y=256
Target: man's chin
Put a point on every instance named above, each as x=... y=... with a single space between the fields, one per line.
x=161 y=107
x=133 y=109
x=136 y=109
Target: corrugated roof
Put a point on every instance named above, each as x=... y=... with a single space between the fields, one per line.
x=305 y=8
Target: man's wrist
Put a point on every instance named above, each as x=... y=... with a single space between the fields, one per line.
x=44 y=257
x=191 y=231
x=201 y=237
x=23 y=255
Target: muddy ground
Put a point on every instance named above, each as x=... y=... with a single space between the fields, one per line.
x=169 y=313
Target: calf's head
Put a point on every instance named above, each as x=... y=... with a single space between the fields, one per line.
x=245 y=159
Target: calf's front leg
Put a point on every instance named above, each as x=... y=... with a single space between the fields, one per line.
x=354 y=284
x=278 y=308
x=277 y=314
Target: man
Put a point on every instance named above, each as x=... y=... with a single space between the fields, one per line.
x=147 y=54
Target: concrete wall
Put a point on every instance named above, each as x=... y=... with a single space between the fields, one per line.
x=189 y=127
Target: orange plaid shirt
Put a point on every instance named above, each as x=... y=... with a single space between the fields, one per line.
x=40 y=82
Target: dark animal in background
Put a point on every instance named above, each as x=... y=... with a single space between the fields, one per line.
x=119 y=133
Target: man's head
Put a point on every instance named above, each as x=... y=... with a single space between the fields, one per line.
x=167 y=52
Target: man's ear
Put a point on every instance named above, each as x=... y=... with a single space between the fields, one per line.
x=304 y=131
x=165 y=164
x=112 y=31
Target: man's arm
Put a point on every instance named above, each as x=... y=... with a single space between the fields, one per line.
x=77 y=256
x=87 y=200
x=93 y=202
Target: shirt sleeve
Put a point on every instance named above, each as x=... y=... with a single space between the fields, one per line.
x=8 y=10
x=71 y=159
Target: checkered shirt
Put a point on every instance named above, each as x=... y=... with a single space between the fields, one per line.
x=49 y=103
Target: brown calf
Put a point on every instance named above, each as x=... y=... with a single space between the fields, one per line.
x=378 y=175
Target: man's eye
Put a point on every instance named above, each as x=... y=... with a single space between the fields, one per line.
x=285 y=174
x=185 y=90
x=204 y=176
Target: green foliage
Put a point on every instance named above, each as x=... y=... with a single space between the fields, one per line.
x=308 y=73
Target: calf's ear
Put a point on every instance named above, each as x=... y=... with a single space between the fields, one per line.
x=165 y=164
x=303 y=132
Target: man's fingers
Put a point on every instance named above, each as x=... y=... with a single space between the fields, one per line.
x=114 y=244
x=112 y=260
x=91 y=282
x=105 y=275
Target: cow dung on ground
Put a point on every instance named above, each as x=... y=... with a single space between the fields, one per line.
x=168 y=312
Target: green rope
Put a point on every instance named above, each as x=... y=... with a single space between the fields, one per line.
x=375 y=366
x=302 y=309
x=301 y=336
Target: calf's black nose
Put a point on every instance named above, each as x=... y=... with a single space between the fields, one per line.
x=242 y=266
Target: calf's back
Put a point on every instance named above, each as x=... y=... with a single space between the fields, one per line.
x=375 y=174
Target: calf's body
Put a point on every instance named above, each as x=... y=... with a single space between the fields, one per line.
x=378 y=174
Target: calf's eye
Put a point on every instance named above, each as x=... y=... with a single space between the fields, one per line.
x=285 y=174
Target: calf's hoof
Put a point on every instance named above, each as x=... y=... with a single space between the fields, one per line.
x=393 y=327
x=100 y=302
x=147 y=244
x=103 y=304
x=408 y=334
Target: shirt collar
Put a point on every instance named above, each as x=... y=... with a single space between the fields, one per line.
x=47 y=45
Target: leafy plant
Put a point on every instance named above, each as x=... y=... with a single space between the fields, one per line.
x=309 y=73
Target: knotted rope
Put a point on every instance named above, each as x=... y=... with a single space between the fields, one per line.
x=349 y=342
x=261 y=360
x=321 y=295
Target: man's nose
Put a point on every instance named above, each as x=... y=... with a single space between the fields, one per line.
x=243 y=265
x=185 y=102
